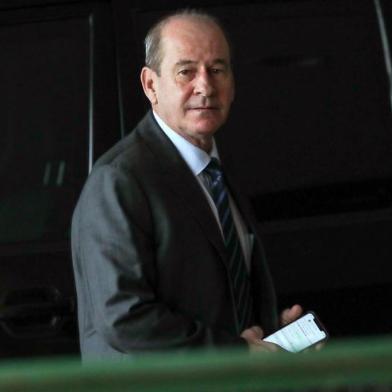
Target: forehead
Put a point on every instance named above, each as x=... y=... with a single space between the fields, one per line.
x=196 y=40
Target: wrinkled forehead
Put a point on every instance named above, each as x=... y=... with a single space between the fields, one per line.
x=189 y=37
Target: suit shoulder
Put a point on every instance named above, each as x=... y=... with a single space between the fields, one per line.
x=122 y=153
x=128 y=152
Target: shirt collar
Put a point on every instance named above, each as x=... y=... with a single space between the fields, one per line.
x=196 y=158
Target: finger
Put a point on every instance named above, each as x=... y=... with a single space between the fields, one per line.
x=257 y=331
x=291 y=314
x=254 y=333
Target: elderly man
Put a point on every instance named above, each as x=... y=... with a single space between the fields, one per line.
x=165 y=254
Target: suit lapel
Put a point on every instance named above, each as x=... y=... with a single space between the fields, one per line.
x=178 y=177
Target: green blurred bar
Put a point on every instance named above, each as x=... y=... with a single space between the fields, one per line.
x=365 y=364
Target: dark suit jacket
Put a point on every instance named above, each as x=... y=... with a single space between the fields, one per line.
x=149 y=259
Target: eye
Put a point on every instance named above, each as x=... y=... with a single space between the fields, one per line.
x=217 y=71
x=186 y=72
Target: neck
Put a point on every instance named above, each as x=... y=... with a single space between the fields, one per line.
x=204 y=143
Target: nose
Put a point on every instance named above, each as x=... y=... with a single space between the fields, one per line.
x=203 y=84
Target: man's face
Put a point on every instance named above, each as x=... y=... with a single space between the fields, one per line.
x=195 y=87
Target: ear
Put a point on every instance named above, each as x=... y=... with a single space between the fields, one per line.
x=148 y=78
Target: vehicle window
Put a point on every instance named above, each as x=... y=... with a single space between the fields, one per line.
x=44 y=79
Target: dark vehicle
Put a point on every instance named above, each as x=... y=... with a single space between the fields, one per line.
x=312 y=94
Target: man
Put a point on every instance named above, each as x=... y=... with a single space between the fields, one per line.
x=154 y=250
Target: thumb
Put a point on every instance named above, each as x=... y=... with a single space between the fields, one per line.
x=291 y=314
x=253 y=333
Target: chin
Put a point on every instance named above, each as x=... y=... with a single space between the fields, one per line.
x=205 y=131
x=207 y=127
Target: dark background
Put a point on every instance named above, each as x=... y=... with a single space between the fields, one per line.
x=310 y=137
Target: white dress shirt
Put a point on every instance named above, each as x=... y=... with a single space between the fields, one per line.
x=197 y=160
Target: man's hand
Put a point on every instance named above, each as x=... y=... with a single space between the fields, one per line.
x=290 y=314
x=254 y=336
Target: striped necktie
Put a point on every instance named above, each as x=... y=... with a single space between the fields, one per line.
x=238 y=274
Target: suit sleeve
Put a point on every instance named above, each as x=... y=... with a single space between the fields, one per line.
x=118 y=268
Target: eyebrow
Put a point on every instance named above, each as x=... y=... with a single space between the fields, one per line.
x=188 y=62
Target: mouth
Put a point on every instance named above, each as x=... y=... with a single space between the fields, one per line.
x=203 y=108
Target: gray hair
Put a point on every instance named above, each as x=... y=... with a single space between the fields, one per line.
x=152 y=42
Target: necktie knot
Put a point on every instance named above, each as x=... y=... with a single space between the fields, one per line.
x=214 y=170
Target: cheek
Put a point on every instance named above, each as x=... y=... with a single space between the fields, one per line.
x=229 y=93
x=185 y=92
x=183 y=98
